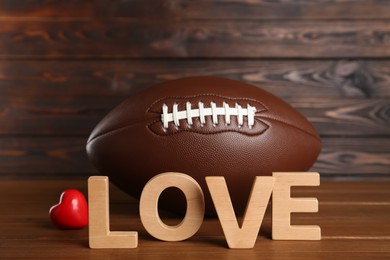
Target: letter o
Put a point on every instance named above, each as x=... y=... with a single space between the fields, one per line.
x=150 y=217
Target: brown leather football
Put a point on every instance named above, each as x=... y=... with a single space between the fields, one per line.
x=201 y=126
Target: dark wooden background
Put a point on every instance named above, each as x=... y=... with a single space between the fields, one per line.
x=65 y=64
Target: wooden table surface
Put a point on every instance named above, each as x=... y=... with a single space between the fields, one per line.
x=354 y=218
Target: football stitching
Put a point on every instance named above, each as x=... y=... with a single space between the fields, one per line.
x=201 y=112
x=149 y=110
x=205 y=95
x=212 y=111
x=208 y=133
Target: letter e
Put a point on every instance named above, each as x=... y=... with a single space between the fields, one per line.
x=283 y=205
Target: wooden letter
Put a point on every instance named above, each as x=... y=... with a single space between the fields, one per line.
x=100 y=235
x=149 y=206
x=244 y=237
x=283 y=205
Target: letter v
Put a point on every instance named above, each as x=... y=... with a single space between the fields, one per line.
x=244 y=237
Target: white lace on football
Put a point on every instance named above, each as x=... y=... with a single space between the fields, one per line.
x=201 y=112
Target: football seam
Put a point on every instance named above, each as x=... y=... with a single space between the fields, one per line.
x=202 y=133
x=209 y=133
x=263 y=108
x=149 y=109
x=110 y=132
x=293 y=126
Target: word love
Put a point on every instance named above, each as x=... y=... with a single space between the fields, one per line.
x=279 y=184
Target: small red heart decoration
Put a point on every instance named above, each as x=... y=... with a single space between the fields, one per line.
x=71 y=212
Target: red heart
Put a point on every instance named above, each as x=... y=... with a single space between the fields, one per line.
x=71 y=212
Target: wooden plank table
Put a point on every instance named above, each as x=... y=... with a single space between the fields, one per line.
x=354 y=217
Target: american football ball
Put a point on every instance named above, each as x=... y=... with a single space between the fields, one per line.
x=201 y=126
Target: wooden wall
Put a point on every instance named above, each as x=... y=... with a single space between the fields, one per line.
x=65 y=64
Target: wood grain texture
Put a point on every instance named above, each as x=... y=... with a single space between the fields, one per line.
x=346 y=117
x=330 y=93
x=65 y=64
x=283 y=205
x=46 y=157
x=285 y=78
x=65 y=158
x=353 y=226
x=99 y=234
x=149 y=210
x=242 y=235
x=55 y=39
x=354 y=156
x=60 y=116
x=203 y=9
x=72 y=116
